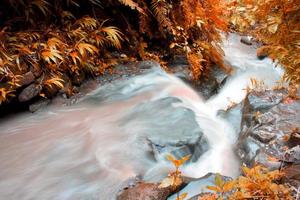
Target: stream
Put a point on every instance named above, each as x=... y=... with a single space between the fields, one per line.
x=125 y=129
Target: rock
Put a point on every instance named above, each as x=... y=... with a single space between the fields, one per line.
x=180 y=149
x=212 y=82
x=292 y=155
x=26 y=79
x=246 y=40
x=29 y=92
x=263 y=100
x=267 y=120
x=186 y=137
x=262 y=135
x=147 y=64
x=209 y=84
x=145 y=191
x=39 y=105
x=196 y=187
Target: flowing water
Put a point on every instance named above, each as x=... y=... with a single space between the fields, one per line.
x=88 y=150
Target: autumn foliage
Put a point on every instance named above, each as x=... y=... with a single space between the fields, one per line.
x=255 y=183
x=57 y=40
x=276 y=24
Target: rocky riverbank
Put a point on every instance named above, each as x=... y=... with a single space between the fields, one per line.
x=269 y=136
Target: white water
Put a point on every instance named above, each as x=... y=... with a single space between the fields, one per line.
x=88 y=150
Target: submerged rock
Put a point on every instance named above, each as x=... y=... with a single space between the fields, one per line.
x=268 y=124
x=39 y=105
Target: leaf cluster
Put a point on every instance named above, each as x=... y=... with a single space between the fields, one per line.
x=256 y=183
x=276 y=24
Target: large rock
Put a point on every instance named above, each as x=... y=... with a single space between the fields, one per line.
x=29 y=92
x=145 y=191
x=269 y=123
x=209 y=84
x=39 y=105
x=185 y=136
x=26 y=79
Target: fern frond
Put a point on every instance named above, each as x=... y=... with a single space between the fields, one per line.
x=42 y=5
x=133 y=5
x=161 y=13
x=87 y=22
x=96 y=2
x=53 y=55
x=113 y=35
x=83 y=48
x=54 y=81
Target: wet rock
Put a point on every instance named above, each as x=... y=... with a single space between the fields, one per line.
x=180 y=149
x=292 y=155
x=147 y=64
x=267 y=122
x=39 y=105
x=27 y=78
x=186 y=137
x=246 y=40
x=29 y=92
x=212 y=82
x=196 y=187
x=264 y=136
x=248 y=149
x=145 y=191
x=263 y=100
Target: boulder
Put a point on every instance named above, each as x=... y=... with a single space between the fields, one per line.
x=29 y=92
x=39 y=105
x=26 y=79
x=246 y=40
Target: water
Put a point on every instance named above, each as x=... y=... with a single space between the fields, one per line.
x=88 y=151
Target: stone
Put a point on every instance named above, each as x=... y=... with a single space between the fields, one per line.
x=39 y=105
x=266 y=121
x=26 y=79
x=264 y=136
x=246 y=40
x=292 y=155
x=145 y=191
x=29 y=92
x=147 y=64
x=263 y=100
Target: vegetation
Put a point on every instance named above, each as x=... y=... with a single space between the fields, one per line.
x=274 y=23
x=55 y=39
x=255 y=183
